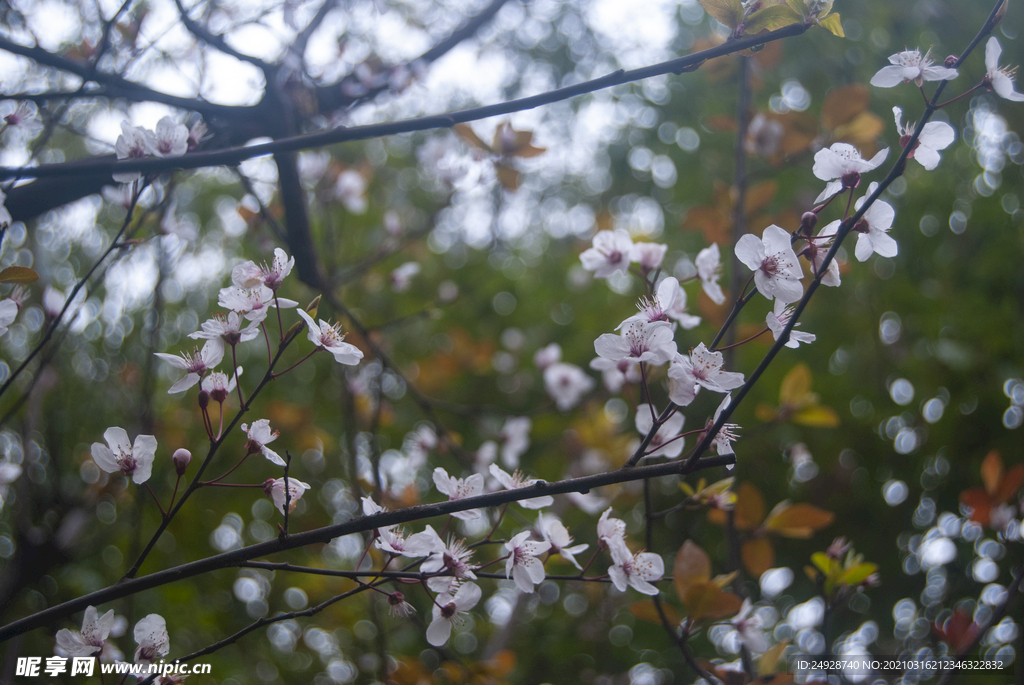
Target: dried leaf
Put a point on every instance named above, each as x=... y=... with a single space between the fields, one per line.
x=706 y=600
x=693 y=566
x=18 y=274
x=508 y=177
x=646 y=611
x=760 y=196
x=991 y=471
x=749 y=509
x=758 y=555
x=843 y=105
x=798 y=520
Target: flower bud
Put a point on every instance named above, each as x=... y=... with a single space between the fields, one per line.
x=181 y=459
x=851 y=179
x=204 y=399
x=268 y=487
x=808 y=221
x=951 y=61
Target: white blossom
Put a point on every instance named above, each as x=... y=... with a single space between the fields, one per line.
x=707 y=370
x=171 y=139
x=458 y=488
x=935 y=136
x=776 y=270
x=259 y=435
x=133 y=143
x=219 y=385
x=274 y=488
x=566 y=384
x=911 y=65
x=522 y=564
x=665 y=442
x=329 y=337
x=615 y=374
x=841 y=165
x=634 y=570
x=554 y=532
x=873 y=229
x=89 y=642
x=194 y=365
x=727 y=433
x=401 y=278
x=515 y=439
x=22 y=115
x=452 y=557
x=546 y=356
x=639 y=342
x=252 y=303
x=611 y=252
x=748 y=626
x=609 y=528
x=777 y=320
x=250 y=275
x=709 y=269
x=446 y=612
x=8 y=312
x=151 y=636
x=817 y=250
x=120 y=455
x=669 y=302
x=227 y=328
x=516 y=481
x=682 y=384
x=648 y=255
x=1001 y=78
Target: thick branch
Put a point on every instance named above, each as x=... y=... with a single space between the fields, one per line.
x=237 y=155
x=324 y=535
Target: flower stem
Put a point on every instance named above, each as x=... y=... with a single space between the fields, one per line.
x=315 y=350
x=155 y=499
x=737 y=344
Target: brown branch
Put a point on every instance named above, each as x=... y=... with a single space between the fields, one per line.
x=236 y=155
x=131 y=586
x=218 y=42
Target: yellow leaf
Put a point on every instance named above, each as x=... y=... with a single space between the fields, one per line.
x=769 y=660
x=771 y=19
x=765 y=413
x=799 y=6
x=842 y=105
x=857 y=574
x=692 y=567
x=18 y=274
x=796 y=386
x=758 y=556
x=817 y=417
x=862 y=131
x=824 y=562
x=832 y=24
x=798 y=520
x=729 y=12
x=646 y=611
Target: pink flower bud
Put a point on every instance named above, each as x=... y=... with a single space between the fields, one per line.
x=951 y=61
x=204 y=399
x=181 y=459
x=808 y=221
x=851 y=179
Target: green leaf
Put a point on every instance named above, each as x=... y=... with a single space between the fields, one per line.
x=857 y=574
x=799 y=6
x=729 y=12
x=18 y=274
x=832 y=23
x=772 y=18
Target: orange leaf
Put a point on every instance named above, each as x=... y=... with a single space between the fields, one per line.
x=749 y=507
x=706 y=600
x=692 y=566
x=758 y=556
x=508 y=177
x=798 y=520
x=646 y=611
x=759 y=196
x=842 y=105
x=992 y=471
x=720 y=122
x=981 y=508
x=466 y=132
x=1010 y=484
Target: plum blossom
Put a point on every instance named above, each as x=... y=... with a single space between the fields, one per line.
x=999 y=79
x=515 y=439
x=401 y=278
x=447 y=608
x=397 y=606
x=776 y=270
x=669 y=301
x=841 y=165
x=707 y=370
x=634 y=570
x=274 y=489
x=89 y=642
x=709 y=269
x=682 y=384
x=151 y=636
x=648 y=255
x=171 y=139
x=418 y=443
x=554 y=532
x=546 y=356
x=329 y=337
x=23 y=115
x=391 y=538
x=133 y=143
x=609 y=528
x=611 y=252
x=748 y=627
x=227 y=328
x=777 y=320
x=639 y=342
x=350 y=188
x=817 y=250
x=457 y=488
x=8 y=312
x=522 y=564
x=260 y=435
x=516 y=481
x=615 y=374
x=665 y=442
x=220 y=385
x=935 y=136
x=911 y=65
x=452 y=557
x=566 y=384
x=873 y=229
x=250 y=275
x=252 y=303
x=727 y=433
x=9 y=472
x=5 y=215
x=194 y=365
x=120 y=455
